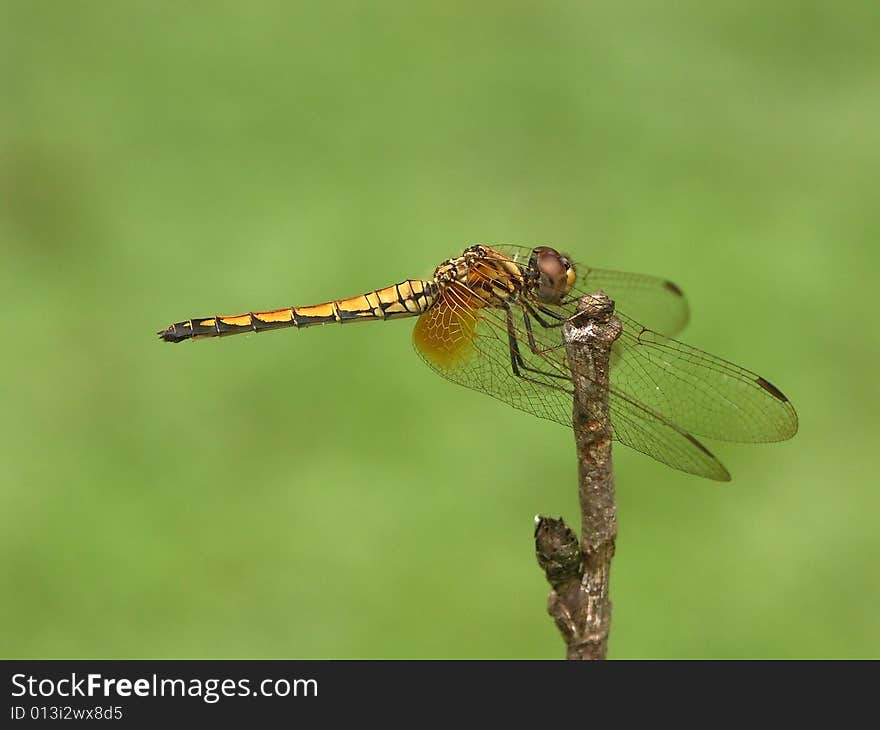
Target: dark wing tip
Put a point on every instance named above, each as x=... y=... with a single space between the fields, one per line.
x=718 y=471
x=771 y=389
x=673 y=287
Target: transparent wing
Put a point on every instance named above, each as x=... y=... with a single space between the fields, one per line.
x=639 y=427
x=698 y=392
x=701 y=393
x=656 y=302
x=476 y=346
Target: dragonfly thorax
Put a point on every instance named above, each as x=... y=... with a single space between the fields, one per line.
x=548 y=277
x=489 y=275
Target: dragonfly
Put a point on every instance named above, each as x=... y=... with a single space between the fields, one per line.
x=491 y=320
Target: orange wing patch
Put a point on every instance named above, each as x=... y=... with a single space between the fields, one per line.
x=444 y=335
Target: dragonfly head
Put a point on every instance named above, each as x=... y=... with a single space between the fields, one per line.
x=553 y=274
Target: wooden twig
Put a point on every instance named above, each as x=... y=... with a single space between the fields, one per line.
x=578 y=575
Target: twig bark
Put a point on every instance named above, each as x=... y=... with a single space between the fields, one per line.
x=578 y=575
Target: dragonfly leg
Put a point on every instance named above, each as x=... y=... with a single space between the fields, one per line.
x=560 y=319
x=533 y=346
x=517 y=363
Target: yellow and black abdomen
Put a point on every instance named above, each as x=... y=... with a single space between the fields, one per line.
x=408 y=299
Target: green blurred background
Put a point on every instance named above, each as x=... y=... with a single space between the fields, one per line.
x=323 y=493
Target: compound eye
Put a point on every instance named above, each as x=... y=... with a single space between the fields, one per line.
x=555 y=274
